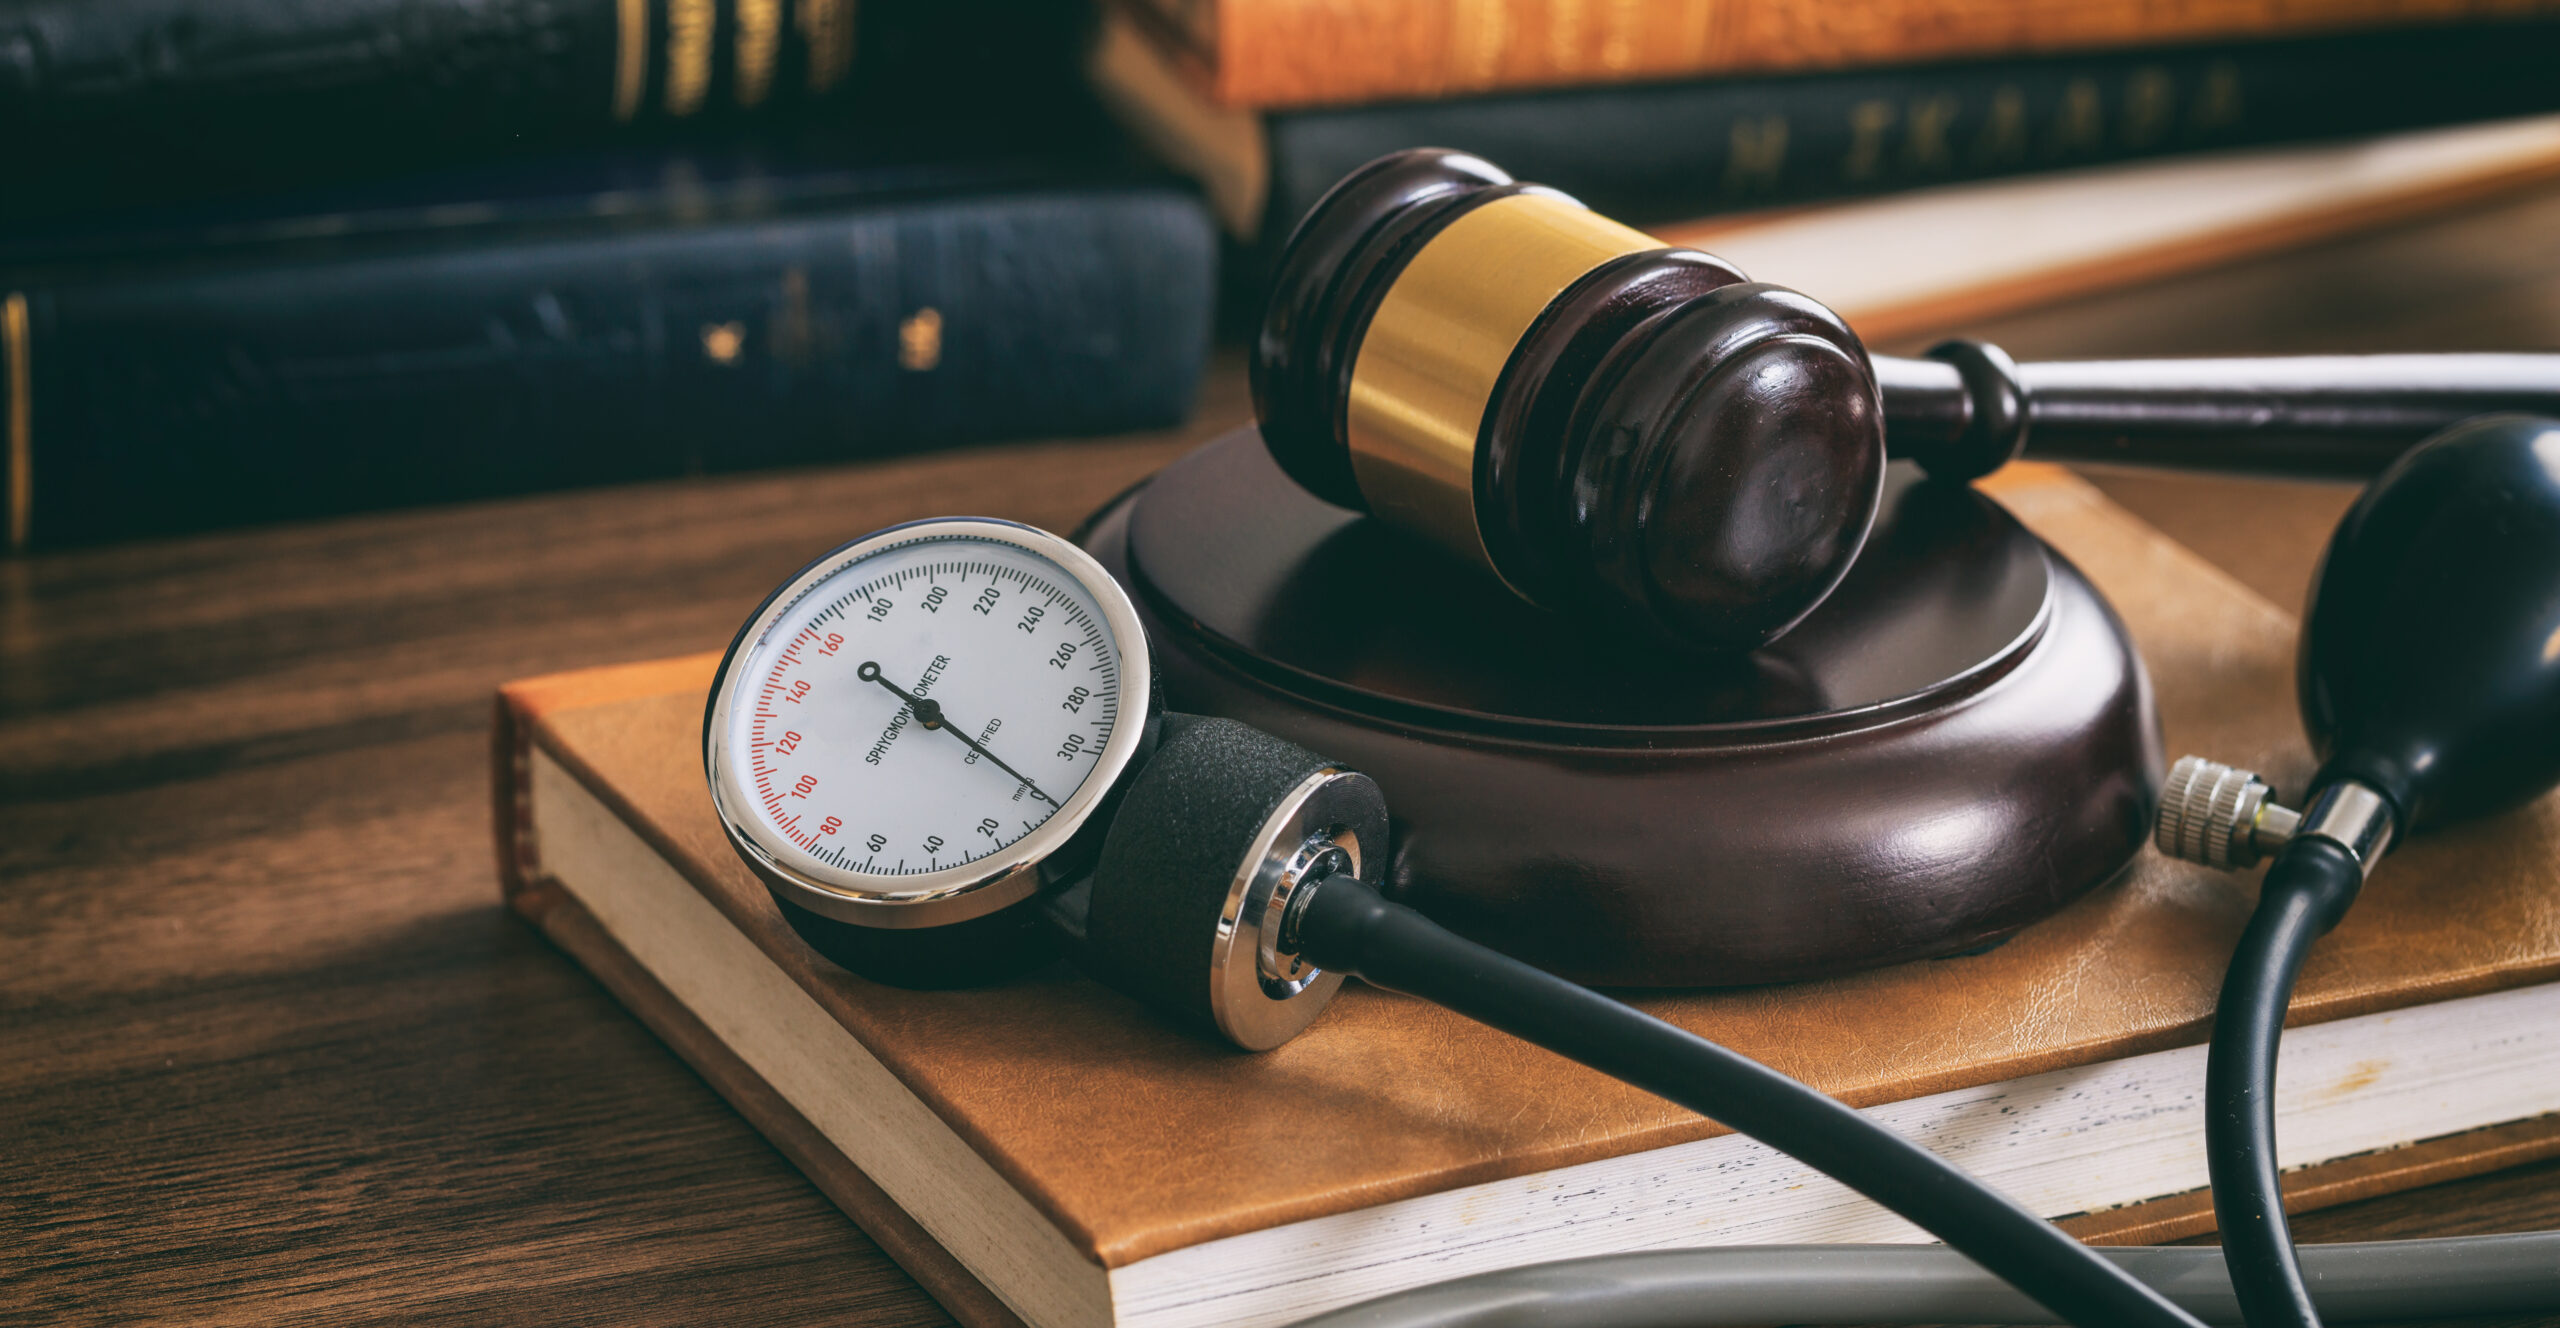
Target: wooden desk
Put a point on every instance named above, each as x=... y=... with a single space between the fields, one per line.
x=270 y=1047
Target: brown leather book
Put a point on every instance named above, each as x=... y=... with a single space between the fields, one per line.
x=1275 y=53
x=1047 y=1152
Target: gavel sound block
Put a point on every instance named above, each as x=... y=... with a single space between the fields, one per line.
x=1788 y=711
x=1958 y=741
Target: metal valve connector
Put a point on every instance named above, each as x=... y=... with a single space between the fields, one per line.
x=2220 y=816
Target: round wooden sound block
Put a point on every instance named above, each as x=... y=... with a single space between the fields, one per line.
x=1958 y=742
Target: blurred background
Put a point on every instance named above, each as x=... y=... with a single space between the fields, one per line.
x=263 y=261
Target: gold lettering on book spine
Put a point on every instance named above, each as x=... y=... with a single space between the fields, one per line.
x=689 y=30
x=2150 y=106
x=2003 y=140
x=22 y=460
x=2079 y=123
x=1426 y=368
x=1924 y=136
x=2218 y=102
x=826 y=28
x=759 y=41
x=630 y=56
x=1755 y=154
x=920 y=340
x=1868 y=121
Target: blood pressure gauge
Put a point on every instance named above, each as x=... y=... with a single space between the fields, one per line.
x=913 y=731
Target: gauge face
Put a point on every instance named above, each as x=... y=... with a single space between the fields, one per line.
x=926 y=711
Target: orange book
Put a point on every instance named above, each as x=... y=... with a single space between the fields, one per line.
x=1047 y=1152
x=1278 y=53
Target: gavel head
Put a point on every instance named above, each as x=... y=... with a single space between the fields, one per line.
x=1609 y=425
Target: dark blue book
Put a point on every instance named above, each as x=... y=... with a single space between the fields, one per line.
x=124 y=102
x=587 y=321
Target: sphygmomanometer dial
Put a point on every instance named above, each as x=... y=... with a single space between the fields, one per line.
x=906 y=730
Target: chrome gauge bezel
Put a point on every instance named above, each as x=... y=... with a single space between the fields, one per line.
x=970 y=890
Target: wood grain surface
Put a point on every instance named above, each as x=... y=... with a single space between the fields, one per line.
x=270 y=1050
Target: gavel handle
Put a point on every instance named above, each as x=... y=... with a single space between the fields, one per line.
x=1967 y=408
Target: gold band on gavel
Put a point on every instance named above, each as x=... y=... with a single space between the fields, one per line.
x=1426 y=369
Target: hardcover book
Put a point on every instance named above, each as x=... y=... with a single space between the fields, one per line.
x=1654 y=152
x=121 y=102
x=1275 y=53
x=589 y=320
x=1047 y=1152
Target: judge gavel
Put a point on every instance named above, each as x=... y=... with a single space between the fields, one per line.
x=1638 y=433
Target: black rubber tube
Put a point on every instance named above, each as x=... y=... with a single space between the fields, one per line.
x=1746 y=1284
x=1348 y=927
x=2308 y=887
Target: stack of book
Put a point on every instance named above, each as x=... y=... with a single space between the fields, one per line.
x=269 y=262
x=1662 y=110
x=2009 y=151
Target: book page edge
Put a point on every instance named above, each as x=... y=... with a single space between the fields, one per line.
x=800 y=1054
x=822 y=1155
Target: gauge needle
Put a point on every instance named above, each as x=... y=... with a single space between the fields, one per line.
x=929 y=713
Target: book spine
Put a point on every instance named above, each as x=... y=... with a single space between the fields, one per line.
x=178 y=398
x=548 y=59
x=1658 y=153
x=1280 y=53
x=203 y=94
